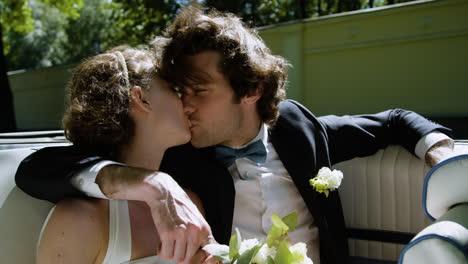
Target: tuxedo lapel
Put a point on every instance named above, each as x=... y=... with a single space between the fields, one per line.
x=298 y=150
x=292 y=154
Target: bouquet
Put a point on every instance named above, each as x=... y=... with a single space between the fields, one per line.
x=275 y=250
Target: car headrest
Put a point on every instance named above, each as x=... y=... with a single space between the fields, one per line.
x=446 y=185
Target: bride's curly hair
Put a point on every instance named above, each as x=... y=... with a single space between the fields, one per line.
x=97 y=115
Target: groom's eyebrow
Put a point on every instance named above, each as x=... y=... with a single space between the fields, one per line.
x=197 y=78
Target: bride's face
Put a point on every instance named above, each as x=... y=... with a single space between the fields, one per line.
x=167 y=115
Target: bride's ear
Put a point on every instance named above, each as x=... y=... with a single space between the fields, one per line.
x=139 y=99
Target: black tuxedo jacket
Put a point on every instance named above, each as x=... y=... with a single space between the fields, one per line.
x=303 y=142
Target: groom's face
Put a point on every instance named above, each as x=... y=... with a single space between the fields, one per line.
x=210 y=105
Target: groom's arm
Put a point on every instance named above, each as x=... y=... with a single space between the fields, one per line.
x=49 y=173
x=362 y=135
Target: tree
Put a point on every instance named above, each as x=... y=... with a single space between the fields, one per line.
x=264 y=12
x=65 y=31
x=91 y=34
x=40 y=47
x=137 y=21
x=57 y=39
x=15 y=15
x=267 y=12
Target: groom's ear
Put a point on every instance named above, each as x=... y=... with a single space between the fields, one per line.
x=255 y=95
x=138 y=99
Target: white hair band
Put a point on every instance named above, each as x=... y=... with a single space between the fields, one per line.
x=121 y=59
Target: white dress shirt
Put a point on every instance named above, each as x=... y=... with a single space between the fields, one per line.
x=266 y=188
x=261 y=190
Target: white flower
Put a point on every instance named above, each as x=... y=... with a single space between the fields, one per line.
x=299 y=252
x=332 y=177
x=326 y=180
x=248 y=244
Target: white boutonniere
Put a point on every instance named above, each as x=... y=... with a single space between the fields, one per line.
x=326 y=180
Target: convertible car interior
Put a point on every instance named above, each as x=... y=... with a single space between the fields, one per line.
x=397 y=210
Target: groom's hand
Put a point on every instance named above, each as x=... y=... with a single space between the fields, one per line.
x=440 y=151
x=181 y=227
x=201 y=257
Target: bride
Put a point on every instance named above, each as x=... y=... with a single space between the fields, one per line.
x=121 y=109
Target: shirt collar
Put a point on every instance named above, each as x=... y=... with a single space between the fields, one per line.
x=262 y=136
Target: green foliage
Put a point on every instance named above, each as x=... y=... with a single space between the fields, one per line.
x=38 y=46
x=291 y=221
x=283 y=255
x=267 y=12
x=91 y=33
x=234 y=244
x=249 y=255
x=280 y=228
x=279 y=251
x=138 y=21
x=69 y=8
x=61 y=32
x=277 y=11
x=40 y=33
x=270 y=260
x=16 y=16
x=58 y=39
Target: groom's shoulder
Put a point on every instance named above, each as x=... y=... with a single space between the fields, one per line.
x=293 y=111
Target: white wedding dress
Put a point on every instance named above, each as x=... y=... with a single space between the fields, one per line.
x=119 y=248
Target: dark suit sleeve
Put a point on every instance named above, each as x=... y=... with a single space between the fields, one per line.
x=362 y=135
x=46 y=173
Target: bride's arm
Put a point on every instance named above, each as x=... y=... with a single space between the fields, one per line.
x=76 y=233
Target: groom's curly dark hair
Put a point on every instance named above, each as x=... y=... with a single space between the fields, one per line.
x=245 y=59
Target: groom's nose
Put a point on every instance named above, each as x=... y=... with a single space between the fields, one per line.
x=188 y=105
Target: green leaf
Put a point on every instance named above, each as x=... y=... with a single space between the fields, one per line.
x=234 y=244
x=220 y=252
x=273 y=234
x=283 y=255
x=279 y=227
x=270 y=260
x=249 y=255
x=291 y=221
x=278 y=222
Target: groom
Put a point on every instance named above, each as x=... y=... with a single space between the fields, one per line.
x=252 y=153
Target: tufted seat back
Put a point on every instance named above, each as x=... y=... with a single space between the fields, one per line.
x=21 y=216
x=381 y=196
x=382 y=201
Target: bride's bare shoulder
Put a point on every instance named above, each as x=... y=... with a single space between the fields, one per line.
x=76 y=231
